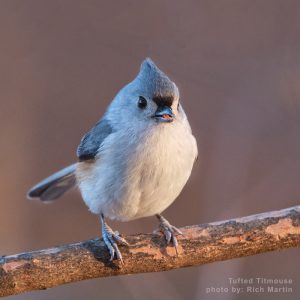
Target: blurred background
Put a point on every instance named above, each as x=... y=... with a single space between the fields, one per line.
x=237 y=64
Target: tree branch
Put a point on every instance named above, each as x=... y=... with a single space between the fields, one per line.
x=147 y=253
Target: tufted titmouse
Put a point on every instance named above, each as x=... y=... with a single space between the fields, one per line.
x=135 y=161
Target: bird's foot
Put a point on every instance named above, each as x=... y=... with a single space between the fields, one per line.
x=169 y=231
x=112 y=239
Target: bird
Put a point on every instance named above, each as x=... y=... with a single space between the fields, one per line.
x=135 y=161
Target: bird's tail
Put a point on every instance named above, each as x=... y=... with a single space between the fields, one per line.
x=55 y=185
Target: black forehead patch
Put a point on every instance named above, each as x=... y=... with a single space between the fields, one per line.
x=163 y=100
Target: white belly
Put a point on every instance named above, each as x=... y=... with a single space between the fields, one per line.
x=133 y=180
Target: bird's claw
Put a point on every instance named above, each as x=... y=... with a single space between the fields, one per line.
x=111 y=240
x=169 y=231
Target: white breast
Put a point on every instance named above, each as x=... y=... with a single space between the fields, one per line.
x=139 y=176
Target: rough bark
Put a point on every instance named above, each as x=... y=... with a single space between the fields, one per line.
x=200 y=244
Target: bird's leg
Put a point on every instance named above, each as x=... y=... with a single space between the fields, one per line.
x=111 y=239
x=168 y=230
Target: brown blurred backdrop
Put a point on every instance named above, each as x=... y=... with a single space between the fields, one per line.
x=237 y=64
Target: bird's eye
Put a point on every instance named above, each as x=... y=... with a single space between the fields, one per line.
x=142 y=103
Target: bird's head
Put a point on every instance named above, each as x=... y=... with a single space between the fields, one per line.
x=150 y=97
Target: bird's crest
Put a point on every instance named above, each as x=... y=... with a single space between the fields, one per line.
x=155 y=81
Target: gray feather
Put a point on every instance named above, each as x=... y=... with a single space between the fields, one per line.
x=92 y=140
x=155 y=82
x=55 y=185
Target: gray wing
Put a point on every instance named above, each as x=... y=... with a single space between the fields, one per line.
x=92 y=140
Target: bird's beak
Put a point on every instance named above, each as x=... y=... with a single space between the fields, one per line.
x=164 y=114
